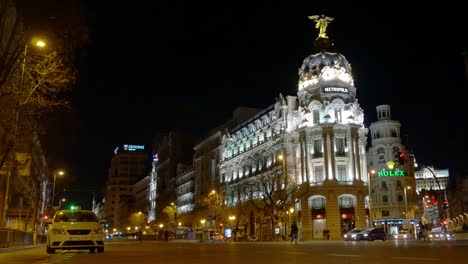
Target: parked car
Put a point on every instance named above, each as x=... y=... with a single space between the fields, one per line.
x=372 y=234
x=403 y=234
x=352 y=234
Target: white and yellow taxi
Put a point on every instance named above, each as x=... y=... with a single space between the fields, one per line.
x=75 y=229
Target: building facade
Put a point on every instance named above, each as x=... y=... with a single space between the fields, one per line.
x=129 y=165
x=315 y=141
x=431 y=179
x=393 y=203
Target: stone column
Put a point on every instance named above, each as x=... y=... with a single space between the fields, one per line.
x=360 y=211
x=306 y=218
x=333 y=215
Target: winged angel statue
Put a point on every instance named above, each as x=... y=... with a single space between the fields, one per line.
x=322 y=23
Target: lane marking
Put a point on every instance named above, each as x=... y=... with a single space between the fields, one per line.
x=430 y=259
x=342 y=255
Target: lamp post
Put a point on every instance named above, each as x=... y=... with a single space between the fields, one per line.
x=174 y=206
x=213 y=192
x=283 y=168
x=60 y=202
x=369 y=176
x=406 y=201
x=202 y=222
x=61 y=173
x=231 y=219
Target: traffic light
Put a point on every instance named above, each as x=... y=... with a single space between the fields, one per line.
x=401 y=158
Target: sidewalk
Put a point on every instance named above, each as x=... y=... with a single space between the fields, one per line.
x=17 y=248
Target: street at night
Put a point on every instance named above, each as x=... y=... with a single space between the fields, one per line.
x=177 y=252
x=217 y=132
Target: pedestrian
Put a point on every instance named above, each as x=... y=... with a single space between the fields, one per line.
x=294 y=232
x=326 y=234
x=166 y=235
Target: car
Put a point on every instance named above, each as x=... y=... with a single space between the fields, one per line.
x=447 y=235
x=403 y=234
x=75 y=229
x=372 y=234
x=433 y=236
x=352 y=234
x=216 y=236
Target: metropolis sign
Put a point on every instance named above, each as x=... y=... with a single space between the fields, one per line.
x=335 y=90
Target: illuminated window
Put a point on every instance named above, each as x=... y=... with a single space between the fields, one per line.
x=316 y=116
x=317 y=203
x=340 y=146
x=341 y=173
x=317 y=148
x=319 y=175
x=338 y=115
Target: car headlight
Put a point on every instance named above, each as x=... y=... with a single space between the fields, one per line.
x=353 y=235
x=58 y=232
x=96 y=231
x=395 y=236
x=365 y=235
x=345 y=236
x=404 y=236
x=431 y=236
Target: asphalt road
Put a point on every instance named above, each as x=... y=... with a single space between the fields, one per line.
x=255 y=252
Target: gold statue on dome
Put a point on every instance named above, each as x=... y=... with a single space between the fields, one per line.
x=322 y=23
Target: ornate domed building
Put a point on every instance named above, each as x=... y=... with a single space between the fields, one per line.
x=302 y=159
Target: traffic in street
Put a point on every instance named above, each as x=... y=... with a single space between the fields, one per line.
x=207 y=252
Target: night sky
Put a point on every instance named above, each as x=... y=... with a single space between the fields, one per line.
x=153 y=66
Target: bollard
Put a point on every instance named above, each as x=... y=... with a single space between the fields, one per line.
x=34 y=237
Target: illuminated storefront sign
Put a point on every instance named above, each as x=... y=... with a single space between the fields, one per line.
x=335 y=90
x=133 y=147
x=391 y=173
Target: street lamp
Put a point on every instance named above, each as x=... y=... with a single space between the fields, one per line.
x=60 y=202
x=202 y=222
x=216 y=202
x=283 y=168
x=175 y=218
x=60 y=173
x=369 y=176
x=406 y=201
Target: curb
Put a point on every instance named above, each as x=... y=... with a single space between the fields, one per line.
x=18 y=248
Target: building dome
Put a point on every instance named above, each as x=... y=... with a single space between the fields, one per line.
x=327 y=68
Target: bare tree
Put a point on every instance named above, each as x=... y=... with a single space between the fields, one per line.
x=32 y=84
x=271 y=194
x=12 y=43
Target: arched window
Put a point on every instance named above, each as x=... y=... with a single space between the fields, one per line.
x=346 y=201
x=381 y=155
x=400 y=198
x=385 y=199
x=317 y=202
